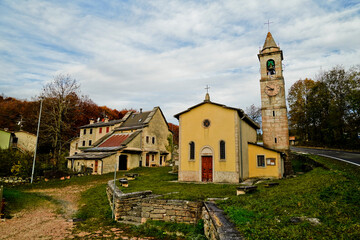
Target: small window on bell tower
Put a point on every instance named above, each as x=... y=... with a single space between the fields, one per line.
x=270 y=67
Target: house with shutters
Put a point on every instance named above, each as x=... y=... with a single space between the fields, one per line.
x=137 y=140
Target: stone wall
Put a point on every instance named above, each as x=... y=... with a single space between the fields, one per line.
x=216 y=225
x=138 y=207
x=171 y=210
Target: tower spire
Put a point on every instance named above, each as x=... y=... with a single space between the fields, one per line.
x=207 y=96
x=269 y=41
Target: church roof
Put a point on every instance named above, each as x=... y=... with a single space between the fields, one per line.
x=269 y=41
x=241 y=113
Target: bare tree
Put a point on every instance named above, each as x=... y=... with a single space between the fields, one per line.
x=60 y=106
x=254 y=113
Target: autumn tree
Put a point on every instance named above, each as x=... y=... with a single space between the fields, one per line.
x=175 y=131
x=298 y=100
x=17 y=114
x=326 y=111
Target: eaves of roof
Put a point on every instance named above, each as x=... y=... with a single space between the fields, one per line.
x=91 y=156
x=252 y=143
x=102 y=124
x=104 y=149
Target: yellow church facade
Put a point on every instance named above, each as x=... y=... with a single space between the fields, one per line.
x=217 y=143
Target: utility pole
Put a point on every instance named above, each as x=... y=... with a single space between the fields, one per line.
x=37 y=140
x=113 y=203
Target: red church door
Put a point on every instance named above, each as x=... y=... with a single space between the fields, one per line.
x=206 y=168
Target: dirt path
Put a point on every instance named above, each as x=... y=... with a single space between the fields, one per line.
x=41 y=223
x=49 y=221
x=54 y=221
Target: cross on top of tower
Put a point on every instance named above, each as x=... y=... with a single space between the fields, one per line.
x=268 y=23
x=207 y=88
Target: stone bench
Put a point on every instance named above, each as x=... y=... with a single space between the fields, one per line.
x=131 y=175
x=245 y=189
x=271 y=184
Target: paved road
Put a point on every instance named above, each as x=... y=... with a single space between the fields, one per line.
x=350 y=157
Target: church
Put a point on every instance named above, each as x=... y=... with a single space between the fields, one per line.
x=218 y=143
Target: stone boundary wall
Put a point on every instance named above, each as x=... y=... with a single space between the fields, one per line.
x=216 y=225
x=138 y=207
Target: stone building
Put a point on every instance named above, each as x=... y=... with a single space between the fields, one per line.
x=20 y=140
x=273 y=104
x=138 y=139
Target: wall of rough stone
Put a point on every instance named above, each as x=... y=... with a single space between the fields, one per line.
x=216 y=225
x=138 y=207
x=171 y=210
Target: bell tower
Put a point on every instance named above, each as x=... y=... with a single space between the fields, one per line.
x=273 y=104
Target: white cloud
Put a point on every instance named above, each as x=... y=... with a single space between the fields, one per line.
x=141 y=54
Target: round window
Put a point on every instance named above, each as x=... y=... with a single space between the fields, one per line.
x=206 y=123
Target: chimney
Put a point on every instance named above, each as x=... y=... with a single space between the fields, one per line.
x=140 y=110
x=92 y=120
x=106 y=119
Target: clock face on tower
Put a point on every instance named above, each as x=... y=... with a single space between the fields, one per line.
x=272 y=89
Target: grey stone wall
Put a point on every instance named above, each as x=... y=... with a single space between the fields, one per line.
x=171 y=210
x=216 y=225
x=138 y=207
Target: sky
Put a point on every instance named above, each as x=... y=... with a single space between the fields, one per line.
x=142 y=54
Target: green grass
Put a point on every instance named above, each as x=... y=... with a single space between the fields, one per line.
x=160 y=181
x=331 y=194
x=57 y=183
x=96 y=214
x=94 y=204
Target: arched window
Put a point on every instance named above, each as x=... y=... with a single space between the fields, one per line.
x=270 y=67
x=192 y=150
x=222 y=150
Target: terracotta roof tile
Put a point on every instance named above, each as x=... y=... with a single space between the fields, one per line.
x=115 y=140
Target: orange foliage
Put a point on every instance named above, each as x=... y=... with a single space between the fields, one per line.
x=175 y=130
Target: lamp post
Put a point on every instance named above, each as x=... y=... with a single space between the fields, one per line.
x=37 y=140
